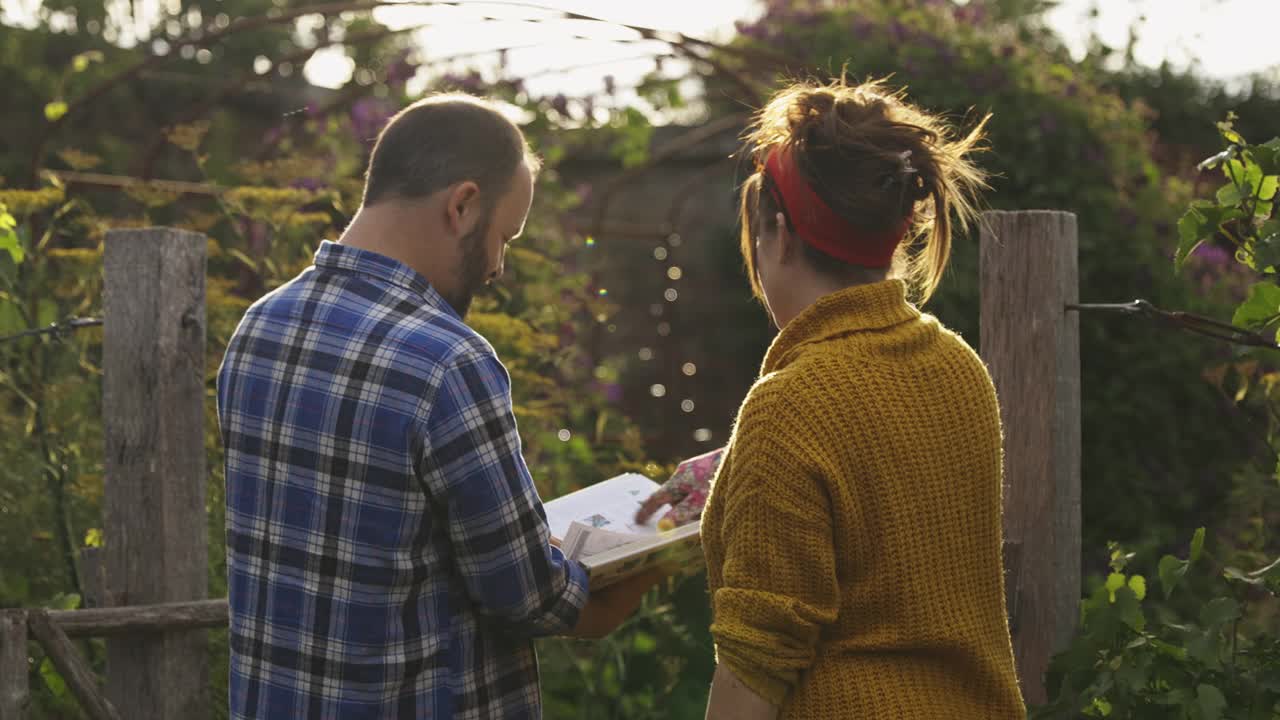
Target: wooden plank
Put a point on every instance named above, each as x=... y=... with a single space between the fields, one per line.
x=103 y=622
x=80 y=680
x=92 y=577
x=1031 y=343
x=15 y=693
x=154 y=525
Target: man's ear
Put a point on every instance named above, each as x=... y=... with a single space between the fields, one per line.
x=462 y=207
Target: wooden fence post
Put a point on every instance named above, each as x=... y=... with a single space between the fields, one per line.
x=15 y=694
x=1031 y=343
x=74 y=670
x=155 y=525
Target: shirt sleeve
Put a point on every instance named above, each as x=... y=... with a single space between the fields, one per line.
x=495 y=521
x=779 y=586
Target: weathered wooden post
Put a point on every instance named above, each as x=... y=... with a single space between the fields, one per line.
x=154 y=525
x=74 y=670
x=15 y=693
x=1031 y=343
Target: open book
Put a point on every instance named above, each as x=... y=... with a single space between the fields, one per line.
x=597 y=527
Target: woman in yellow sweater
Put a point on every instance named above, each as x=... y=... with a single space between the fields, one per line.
x=852 y=532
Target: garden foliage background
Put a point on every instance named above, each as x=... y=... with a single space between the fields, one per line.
x=1175 y=435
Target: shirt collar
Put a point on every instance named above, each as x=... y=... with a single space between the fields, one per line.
x=336 y=257
x=854 y=309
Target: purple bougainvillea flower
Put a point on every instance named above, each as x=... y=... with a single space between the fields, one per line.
x=400 y=70
x=368 y=115
x=1213 y=255
x=273 y=136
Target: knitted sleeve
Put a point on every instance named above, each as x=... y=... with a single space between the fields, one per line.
x=779 y=577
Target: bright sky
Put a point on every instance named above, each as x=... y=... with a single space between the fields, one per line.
x=1229 y=38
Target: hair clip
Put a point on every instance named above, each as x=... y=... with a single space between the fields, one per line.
x=907 y=167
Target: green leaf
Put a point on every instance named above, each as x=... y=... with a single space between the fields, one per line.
x=1229 y=194
x=64 y=601
x=1130 y=610
x=1115 y=581
x=80 y=62
x=1219 y=611
x=1171 y=570
x=643 y=642
x=10 y=242
x=1119 y=558
x=1193 y=228
x=1210 y=701
x=1135 y=672
x=1138 y=585
x=10 y=319
x=1197 y=540
x=242 y=257
x=1226 y=128
x=93 y=538
x=46 y=312
x=1259 y=308
x=1203 y=647
x=1169 y=649
x=1102 y=706
x=1270 y=231
x=55 y=110
x=1267 y=155
x=52 y=679
x=1180 y=697
x=1267 y=189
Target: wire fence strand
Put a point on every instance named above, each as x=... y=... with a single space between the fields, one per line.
x=57 y=329
x=1189 y=322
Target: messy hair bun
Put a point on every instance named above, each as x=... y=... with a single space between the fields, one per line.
x=875 y=160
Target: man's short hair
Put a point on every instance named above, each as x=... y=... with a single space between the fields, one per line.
x=442 y=140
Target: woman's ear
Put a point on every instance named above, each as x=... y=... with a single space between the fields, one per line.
x=787 y=242
x=462 y=207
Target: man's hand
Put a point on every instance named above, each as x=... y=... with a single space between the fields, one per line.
x=609 y=607
x=685 y=491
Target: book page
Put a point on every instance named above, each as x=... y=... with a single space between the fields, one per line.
x=680 y=550
x=582 y=541
x=609 y=505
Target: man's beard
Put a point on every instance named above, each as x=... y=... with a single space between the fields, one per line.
x=472 y=274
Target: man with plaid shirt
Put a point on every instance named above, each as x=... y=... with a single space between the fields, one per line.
x=387 y=553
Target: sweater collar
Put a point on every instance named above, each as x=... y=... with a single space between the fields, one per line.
x=853 y=309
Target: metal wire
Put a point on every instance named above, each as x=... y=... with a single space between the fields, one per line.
x=58 y=329
x=1189 y=322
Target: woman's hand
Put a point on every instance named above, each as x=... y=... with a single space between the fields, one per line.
x=685 y=491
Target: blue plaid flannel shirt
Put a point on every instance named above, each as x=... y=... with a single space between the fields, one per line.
x=387 y=552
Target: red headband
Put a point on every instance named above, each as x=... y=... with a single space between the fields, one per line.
x=817 y=224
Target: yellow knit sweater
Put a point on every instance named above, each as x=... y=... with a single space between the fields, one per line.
x=852 y=534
